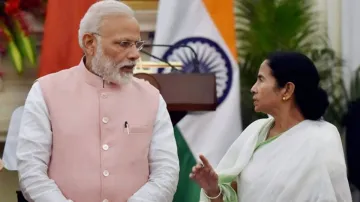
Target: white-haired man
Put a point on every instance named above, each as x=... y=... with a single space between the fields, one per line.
x=94 y=133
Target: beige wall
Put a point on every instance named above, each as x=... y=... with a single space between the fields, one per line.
x=330 y=17
x=14 y=92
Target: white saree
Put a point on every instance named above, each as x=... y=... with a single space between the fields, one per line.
x=305 y=163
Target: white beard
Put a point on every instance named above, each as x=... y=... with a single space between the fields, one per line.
x=104 y=67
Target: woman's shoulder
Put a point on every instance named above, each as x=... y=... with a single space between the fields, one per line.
x=328 y=140
x=323 y=130
x=321 y=133
x=260 y=122
x=252 y=130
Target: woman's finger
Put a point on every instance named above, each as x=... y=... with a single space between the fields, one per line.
x=204 y=173
x=205 y=161
x=193 y=175
x=196 y=168
x=193 y=169
x=207 y=174
x=197 y=178
x=200 y=173
x=199 y=166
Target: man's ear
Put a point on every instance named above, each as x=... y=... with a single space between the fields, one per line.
x=89 y=42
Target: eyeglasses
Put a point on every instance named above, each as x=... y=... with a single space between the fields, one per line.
x=128 y=44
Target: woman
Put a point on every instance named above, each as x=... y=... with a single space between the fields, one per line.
x=292 y=156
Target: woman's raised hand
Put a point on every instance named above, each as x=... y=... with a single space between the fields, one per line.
x=204 y=175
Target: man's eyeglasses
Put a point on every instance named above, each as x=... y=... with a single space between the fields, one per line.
x=128 y=44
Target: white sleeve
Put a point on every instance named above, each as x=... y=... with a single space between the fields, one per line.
x=164 y=162
x=34 y=151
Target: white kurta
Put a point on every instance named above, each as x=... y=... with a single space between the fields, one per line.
x=305 y=163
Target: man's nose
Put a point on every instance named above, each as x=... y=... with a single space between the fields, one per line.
x=134 y=53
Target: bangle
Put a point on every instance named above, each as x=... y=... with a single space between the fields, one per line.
x=215 y=197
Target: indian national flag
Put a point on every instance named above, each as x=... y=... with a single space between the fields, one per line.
x=208 y=27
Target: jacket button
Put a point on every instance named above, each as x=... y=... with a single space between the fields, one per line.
x=105 y=120
x=105 y=147
x=106 y=173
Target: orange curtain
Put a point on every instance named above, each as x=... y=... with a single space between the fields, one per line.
x=60 y=47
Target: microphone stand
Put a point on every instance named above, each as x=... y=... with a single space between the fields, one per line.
x=195 y=60
x=173 y=68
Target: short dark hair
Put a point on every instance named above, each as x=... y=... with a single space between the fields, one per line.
x=297 y=68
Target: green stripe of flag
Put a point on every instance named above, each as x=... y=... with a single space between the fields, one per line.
x=187 y=190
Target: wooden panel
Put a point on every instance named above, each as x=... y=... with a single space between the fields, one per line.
x=186 y=92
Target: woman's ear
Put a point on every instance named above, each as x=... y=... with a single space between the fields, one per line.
x=289 y=90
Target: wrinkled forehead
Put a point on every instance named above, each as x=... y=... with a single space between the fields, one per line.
x=120 y=27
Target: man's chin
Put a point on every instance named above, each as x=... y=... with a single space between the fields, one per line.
x=124 y=80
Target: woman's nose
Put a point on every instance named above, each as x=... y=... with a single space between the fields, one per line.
x=252 y=90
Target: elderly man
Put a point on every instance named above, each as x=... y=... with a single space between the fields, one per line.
x=94 y=133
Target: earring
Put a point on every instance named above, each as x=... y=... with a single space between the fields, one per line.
x=284 y=98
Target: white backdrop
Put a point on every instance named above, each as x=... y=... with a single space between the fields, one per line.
x=343 y=30
x=350 y=36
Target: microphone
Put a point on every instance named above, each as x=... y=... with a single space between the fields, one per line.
x=173 y=68
x=195 y=60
